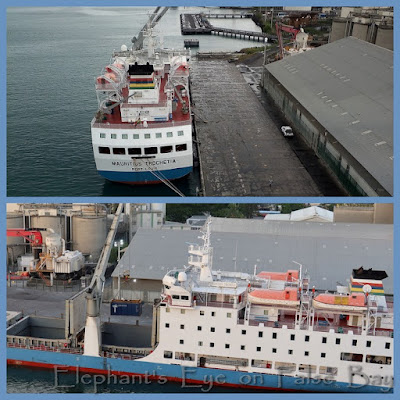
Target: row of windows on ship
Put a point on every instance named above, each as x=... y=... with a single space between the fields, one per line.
x=156 y=135
x=324 y=340
x=138 y=151
x=203 y=360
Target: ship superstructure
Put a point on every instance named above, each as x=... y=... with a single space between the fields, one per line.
x=270 y=330
x=142 y=131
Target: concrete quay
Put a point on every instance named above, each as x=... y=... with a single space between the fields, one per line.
x=241 y=150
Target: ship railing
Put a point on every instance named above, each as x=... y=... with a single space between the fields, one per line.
x=150 y=125
x=46 y=348
x=125 y=352
x=216 y=304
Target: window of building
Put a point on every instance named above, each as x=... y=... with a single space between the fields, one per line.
x=113 y=136
x=124 y=136
x=227 y=345
x=242 y=347
x=258 y=348
x=307 y=368
x=150 y=150
x=167 y=354
x=135 y=151
x=243 y=331
x=213 y=313
x=211 y=344
x=228 y=330
x=166 y=149
x=181 y=147
x=368 y=343
x=181 y=341
x=201 y=312
x=200 y=343
x=387 y=345
x=290 y=351
x=306 y=353
x=354 y=342
x=119 y=150
x=212 y=329
x=378 y=359
x=180 y=133
x=274 y=335
x=169 y=134
x=199 y=328
x=158 y=135
x=292 y=337
x=182 y=326
x=147 y=136
x=306 y=338
x=351 y=357
x=104 y=150
x=260 y=334
x=337 y=340
x=274 y=350
x=323 y=355
x=175 y=297
x=324 y=339
x=228 y=315
x=136 y=136
x=102 y=135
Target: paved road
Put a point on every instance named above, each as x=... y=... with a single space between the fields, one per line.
x=242 y=153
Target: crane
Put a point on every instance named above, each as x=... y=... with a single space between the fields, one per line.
x=33 y=236
x=95 y=292
x=151 y=23
x=285 y=28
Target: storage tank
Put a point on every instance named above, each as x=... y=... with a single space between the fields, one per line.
x=89 y=234
x=384 y=37
x=54 y=222
x=360 y=30
x=14 y=244
x=53 y=243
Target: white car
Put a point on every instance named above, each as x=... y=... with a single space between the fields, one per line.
x=287 y=131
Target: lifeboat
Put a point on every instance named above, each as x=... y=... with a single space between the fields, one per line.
x=351 y=302
x=288 y=276
x=285 y=297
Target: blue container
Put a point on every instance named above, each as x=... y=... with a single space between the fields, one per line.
x=126 y=307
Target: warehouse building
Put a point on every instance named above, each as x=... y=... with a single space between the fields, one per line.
x=329 y=251
x=339 y=98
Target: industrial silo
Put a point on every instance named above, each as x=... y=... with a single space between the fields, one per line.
x=15 y=245
x=49 y=220
x=89 y=234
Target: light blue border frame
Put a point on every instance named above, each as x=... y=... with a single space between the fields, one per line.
x=3 y=199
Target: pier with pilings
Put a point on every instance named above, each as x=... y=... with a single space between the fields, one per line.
x=198 y=24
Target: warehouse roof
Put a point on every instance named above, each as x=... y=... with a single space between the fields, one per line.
x=347 y=86
x=308 y=213
x=329 y=251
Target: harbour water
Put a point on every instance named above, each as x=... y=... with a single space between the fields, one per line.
x=45 y=381
x=53 y=57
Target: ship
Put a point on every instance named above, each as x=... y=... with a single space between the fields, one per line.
x=270 y=331
x=142 y=130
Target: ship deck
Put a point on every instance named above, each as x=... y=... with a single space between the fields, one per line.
x=114 y=120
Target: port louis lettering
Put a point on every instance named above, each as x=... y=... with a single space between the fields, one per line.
x=208 y=382
x=140 y=165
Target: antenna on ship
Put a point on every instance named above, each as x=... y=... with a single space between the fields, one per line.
x=201 y=256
